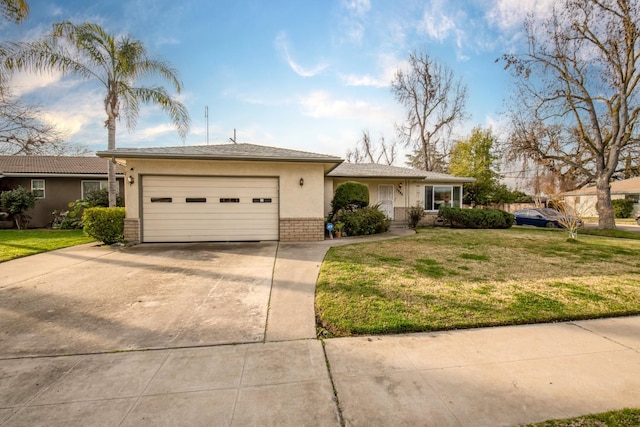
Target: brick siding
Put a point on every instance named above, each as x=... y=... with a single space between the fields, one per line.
x=301 y=229
x=132 y=230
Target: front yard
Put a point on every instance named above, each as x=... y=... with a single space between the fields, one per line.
x=447 y=278
x=21 y=243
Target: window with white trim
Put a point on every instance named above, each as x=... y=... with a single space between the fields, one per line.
x=37 y=188
x=439 y=195
x=89 y=186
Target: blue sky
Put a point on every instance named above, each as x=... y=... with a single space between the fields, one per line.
x=305 y=74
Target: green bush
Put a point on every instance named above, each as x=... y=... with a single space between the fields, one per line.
x=365 y=221
x=104 y=224
x=350 y=195
x=476 y=218
x=622 y=208
x=100 y=198
x=72 y=218
x=16 y=203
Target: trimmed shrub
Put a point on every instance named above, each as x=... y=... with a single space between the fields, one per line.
x=415 y=213
x=16 y=203
x=72 y=218
x=622 y=208
x=476 y=218
x=104 y=224
x=350 y=195
x=368 y=220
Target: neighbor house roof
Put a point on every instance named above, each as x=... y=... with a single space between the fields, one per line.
x=250 y=152
x=626 y=186
x=52 y=166
x=373 y=170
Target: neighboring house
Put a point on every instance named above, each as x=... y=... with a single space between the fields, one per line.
x=55 y=180
x=584 y=201
x=396 y=189
x=239 y=192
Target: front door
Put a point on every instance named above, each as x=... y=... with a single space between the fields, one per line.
x=385 y=198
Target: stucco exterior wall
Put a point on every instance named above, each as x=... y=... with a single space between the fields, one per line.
x=411 y=192
x=296 y=201
x=402 y=198
x=59 y=191
x=586 y=206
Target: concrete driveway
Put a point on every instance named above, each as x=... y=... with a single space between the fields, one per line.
x=92 y=299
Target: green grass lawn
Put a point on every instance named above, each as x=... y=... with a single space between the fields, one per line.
x=622 y=418
x=621 y=234
x=449 y=278
x=21 y=243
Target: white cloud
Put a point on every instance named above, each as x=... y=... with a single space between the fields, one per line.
x=357 y=7
x=320 y=104
x=509 y=14
x=443 y=20
x=282 y=46
x=387 y=66
x=25 y=83
x=352 y=25
x=155 y=131
x=436 y=23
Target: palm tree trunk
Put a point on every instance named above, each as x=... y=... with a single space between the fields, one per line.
x=111 y=145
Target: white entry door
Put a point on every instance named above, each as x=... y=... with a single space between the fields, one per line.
x=385 y=198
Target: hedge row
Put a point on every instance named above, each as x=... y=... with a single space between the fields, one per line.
x=365 y=221
x=476 y=218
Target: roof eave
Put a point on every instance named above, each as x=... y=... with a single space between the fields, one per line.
x=417 y=178
x=452 y=179
x=55 y=175
x=172 y=156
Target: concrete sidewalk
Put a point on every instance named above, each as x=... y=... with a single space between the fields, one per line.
x=483 y=377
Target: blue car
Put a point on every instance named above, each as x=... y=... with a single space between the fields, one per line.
x=540 y=217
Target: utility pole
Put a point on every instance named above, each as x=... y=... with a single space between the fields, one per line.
x=234 y=137
x=206 y=116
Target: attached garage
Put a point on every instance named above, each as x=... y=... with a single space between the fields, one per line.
x=205 y=208
x=223 y=192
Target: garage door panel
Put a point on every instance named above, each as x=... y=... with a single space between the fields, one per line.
x=222 y=208
x=210 y=224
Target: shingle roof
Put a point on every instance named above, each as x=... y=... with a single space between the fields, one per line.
x=626 y=186
x=372 y=170
x=221 y=152
x=62 y=165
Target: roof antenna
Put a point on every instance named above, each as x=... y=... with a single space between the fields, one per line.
x=234 y=137
x=206 y=116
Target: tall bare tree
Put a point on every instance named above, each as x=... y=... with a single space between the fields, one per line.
x=577 y=91
x=24 y=131
x=434 y=102
x=117 y=63
x=367 y=151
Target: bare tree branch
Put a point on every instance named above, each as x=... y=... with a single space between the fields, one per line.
x=434 y=103
x=576 y=106
x=366 y=151
x=24 y=132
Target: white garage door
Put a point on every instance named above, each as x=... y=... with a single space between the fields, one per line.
x=201 y=209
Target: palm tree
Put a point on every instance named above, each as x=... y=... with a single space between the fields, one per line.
x=118 y=63
x=14 y=10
